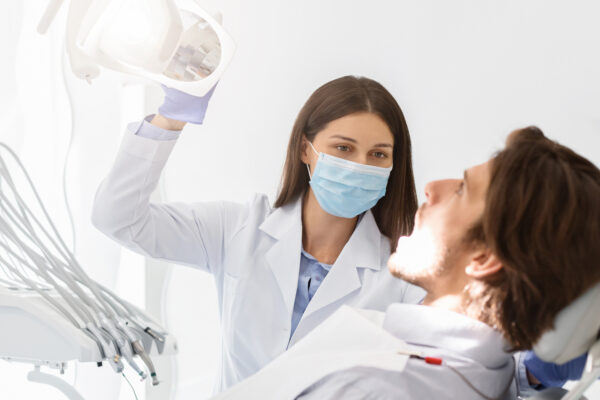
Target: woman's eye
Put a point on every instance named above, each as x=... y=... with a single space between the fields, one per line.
x=379 y=154
x=460 y=187
x=342 y=147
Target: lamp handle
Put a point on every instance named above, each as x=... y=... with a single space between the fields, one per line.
x=49 y=15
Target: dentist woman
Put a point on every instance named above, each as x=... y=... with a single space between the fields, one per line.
x=347 y=193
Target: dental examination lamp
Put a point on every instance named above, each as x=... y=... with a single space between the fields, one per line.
x=576 y=331
x=186 y=49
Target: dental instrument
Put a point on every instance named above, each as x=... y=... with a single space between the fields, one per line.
x=51 y=311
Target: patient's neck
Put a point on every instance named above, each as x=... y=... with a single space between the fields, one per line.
x=447 y=291
x=451 y=302
x=460 y=303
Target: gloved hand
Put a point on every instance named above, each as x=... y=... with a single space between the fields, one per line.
x=554 y=375
x=184 y=107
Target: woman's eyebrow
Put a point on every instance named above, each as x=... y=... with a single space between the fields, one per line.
x=343 y=138
x=348 y=139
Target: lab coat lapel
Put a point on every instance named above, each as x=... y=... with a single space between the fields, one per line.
x=285 y=226
x=361 y=251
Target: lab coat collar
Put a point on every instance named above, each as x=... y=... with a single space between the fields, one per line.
x=282 y=219
x=285 y=226
x=363 y=250
x=439 y=328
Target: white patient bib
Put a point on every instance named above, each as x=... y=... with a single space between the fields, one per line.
x=349 y=338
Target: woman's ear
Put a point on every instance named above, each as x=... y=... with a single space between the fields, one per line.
x=304 y=151
x=483 y=264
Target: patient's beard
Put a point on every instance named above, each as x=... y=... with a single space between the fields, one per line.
x=422 y=260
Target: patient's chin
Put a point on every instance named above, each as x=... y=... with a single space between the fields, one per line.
x=410 y=278
x=414 y=253
x=410 y=274
x=417 y=258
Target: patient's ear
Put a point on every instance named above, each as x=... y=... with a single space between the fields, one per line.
x=484 y=264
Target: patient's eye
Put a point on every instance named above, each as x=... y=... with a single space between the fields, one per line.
x=459 y=191
x=342 y=147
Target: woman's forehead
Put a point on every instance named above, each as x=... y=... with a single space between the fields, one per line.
x=360 y=127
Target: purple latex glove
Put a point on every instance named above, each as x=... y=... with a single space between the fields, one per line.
x=184 y=107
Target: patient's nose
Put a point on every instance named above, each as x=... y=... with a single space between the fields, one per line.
x=430 y=192
x=435 y=191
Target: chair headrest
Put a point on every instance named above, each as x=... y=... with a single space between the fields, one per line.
x=576 y=329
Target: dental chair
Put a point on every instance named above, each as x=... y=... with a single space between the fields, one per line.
x=576 y=331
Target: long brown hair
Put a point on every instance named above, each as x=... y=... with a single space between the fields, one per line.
x=542 y=220
x=395 y=212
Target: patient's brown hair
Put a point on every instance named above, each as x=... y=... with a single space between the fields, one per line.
x=542 y=220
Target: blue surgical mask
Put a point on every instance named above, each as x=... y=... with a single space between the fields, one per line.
x=344 y=188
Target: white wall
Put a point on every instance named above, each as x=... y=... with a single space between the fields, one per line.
x=464 y=72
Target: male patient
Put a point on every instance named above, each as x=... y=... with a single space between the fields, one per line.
x=500 y=253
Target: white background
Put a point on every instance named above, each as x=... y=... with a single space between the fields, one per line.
x=465 y=73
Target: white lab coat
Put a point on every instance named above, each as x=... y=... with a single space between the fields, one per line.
x=253 y=252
